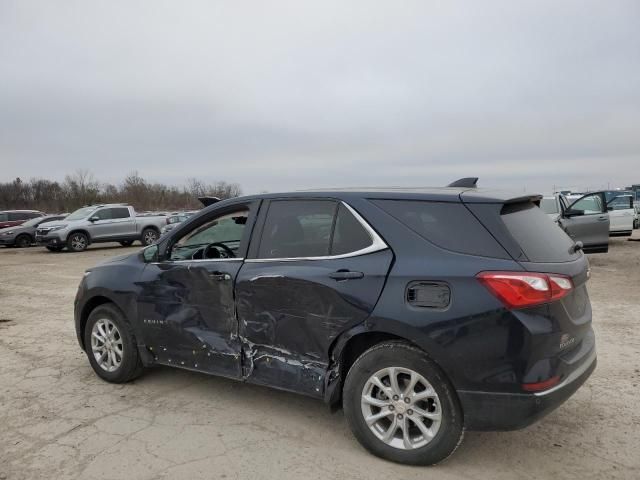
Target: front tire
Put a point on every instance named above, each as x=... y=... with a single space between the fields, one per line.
x=77 y=242
x=110 y=345
x=23 y=241
x=149 y=236
x=400 y=405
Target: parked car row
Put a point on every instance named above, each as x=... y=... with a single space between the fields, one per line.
x=87 y=225
x=593 y=217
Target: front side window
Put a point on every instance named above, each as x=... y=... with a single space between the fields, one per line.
x=621 y=203
x=311 y=228
x=4 y=217
x=589 y=205
x=216 y=239
x=18 y=216
x=103 y=214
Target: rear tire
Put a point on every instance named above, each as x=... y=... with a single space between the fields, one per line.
x=53 y=249
x=23 y=241
x=77 y=242
x=121 y=362
x=126 y=243
x=428 y=411
x=149 y=236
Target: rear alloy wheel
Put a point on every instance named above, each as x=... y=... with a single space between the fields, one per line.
x=23 y=241
x=77 y=242
x=149 y=236
x=400 y=405
x=111 y=346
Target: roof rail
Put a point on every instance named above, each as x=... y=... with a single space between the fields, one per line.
x=467 y=182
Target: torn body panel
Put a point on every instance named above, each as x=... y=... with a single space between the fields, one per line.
x=186 y=311
x=290 y=314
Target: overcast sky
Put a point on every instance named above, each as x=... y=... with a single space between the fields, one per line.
x=290 y=95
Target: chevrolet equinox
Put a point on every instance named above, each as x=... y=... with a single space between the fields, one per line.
x=421 y=312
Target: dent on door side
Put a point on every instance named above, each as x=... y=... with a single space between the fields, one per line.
x=290 y=315
x=188 y=319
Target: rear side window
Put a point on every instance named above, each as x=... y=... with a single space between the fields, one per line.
x=300 y=228
x=122 y=212
x=349 y=235
x=311 y=228
x=540 y=239
x=445 y=224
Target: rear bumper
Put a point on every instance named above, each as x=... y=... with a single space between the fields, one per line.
x=512 y=411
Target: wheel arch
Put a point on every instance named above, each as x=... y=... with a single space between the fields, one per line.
x=89 y=306
x=346 y=350
x=80 y=230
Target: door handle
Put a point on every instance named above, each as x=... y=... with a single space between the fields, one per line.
x=220 y=276
x=602 y=219
x=346 y=275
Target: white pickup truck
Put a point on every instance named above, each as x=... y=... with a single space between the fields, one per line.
x=99 y=223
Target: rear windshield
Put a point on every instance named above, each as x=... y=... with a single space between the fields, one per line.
x=448 y=225
x=538 y=236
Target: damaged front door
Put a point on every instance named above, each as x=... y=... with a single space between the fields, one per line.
x=186 y=305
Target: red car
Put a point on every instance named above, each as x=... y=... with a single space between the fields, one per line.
x=12 y=218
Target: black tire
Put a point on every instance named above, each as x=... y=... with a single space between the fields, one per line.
x=77 y=242
x=403 y=355
x=126 y=243
x=53 y=249
x=131 y=365
x=149 y=236
x=23 y=241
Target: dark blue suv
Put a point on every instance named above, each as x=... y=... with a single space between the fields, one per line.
x=422 y=312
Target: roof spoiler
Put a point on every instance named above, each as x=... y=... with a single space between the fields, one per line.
x=467 y=182
x=206 y=201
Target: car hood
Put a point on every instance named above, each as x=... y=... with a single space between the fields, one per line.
x=117 y=259
x=54 y=223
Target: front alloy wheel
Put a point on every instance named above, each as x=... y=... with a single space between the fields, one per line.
x=111 y=346
x=107 y=345
x=77 y=242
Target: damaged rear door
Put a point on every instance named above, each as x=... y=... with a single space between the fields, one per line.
x=315 y=270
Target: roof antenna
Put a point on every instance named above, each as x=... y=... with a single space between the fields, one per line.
x=467 y=182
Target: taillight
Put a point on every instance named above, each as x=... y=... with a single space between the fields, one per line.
x=525 y=289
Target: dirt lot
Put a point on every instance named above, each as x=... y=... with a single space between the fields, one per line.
x=58 y=420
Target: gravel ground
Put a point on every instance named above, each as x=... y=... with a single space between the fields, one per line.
x=58 y=420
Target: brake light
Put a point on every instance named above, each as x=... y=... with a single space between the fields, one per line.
x=525 y=289
x=540 y=386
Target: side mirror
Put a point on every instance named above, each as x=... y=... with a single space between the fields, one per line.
x=609 y=209
x=150 y=254
x=94 y=219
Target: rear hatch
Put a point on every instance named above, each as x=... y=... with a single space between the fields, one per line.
x=539 y=245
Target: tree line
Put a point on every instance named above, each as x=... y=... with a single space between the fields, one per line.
x=82 y=188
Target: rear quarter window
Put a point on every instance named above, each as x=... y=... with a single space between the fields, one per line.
x=540 y=239
x=447 y=225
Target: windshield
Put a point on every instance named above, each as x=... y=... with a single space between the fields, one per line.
x=549 y=205
x=81 y=213
x=34 y=221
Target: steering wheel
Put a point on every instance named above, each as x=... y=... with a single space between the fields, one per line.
x=229 y=253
